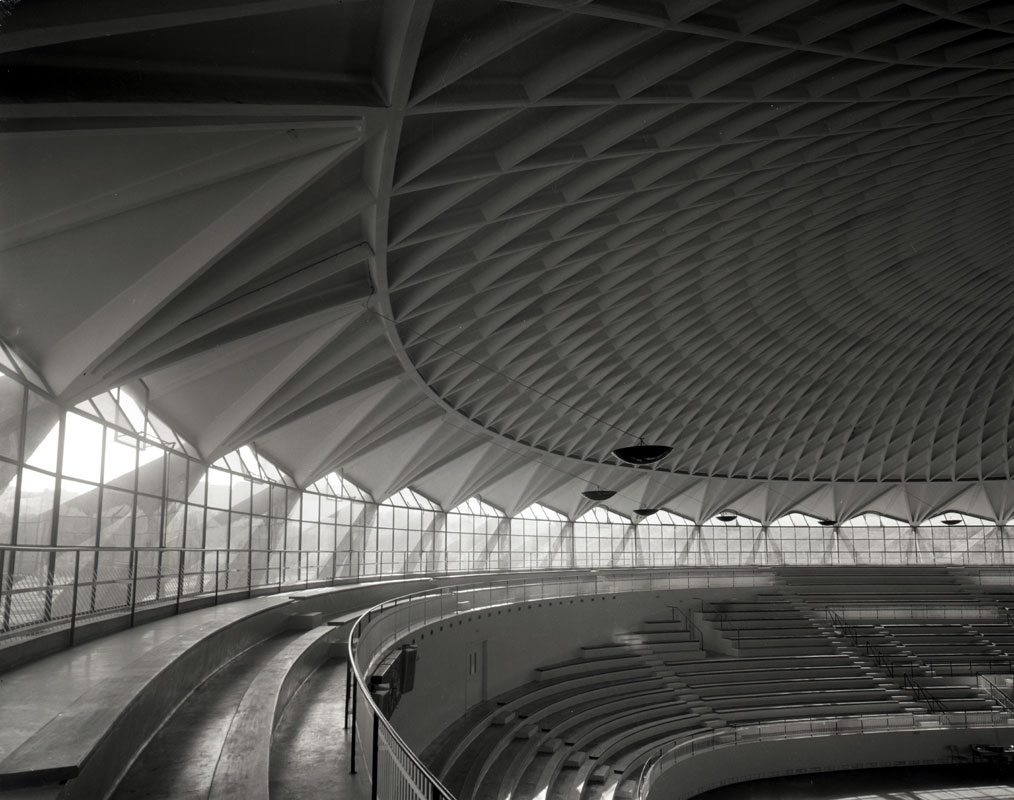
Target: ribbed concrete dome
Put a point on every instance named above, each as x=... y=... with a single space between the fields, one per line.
x=475 y=245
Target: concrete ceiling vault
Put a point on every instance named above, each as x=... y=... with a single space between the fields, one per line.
x=472 y=245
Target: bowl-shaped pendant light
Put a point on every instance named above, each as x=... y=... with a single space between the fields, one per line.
x=598 y=495
x=645 y=512
x=726 y=516
x=642 y=453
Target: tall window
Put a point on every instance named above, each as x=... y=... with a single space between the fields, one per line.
x=541 y=538
x=663 y=538
x=475 y=532
x=956 y=538
x=406 y=534
x=603 y=538
x=877 y=539
x=801 y=539
x=732 y=542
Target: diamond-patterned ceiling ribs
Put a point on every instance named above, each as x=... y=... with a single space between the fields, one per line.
x=806 y=210
x=474 y=245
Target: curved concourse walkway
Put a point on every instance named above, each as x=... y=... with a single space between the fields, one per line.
x=310 y=750
x=972 y=782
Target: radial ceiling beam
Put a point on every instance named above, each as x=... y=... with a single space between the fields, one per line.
x=38 y=25
x=68 y=367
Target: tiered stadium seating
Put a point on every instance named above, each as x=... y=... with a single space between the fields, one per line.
x=765 y=626
x=894 y=631
x=862 y=592
x=583 y=728
x=586 y=725
x=575 y=716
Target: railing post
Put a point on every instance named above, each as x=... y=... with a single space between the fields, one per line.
x=179 y=582
x=73 y=600
x=218 y=569
x=4 y=596
x=133 y=585
x=376 y=756
x=348 y=690
x=352 y=743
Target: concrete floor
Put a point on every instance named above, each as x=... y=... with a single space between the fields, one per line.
x=180 y=760
x=310 y=750
x=34 y=694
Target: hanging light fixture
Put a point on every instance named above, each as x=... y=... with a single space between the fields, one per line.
x=726 y=515
x=598 y=495
x=645 y=512
x=827 y=523
x=951 y=520
x=642 y=453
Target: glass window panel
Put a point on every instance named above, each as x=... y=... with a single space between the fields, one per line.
x=35 y=519
x=219 y=483
x=328 y=509
x=276 y=534
x=261 y=495
x=308 y=539
x=117 y=518
x=11 y=401
x=42 y=432
x=239 y=531
x=216 y=536
x=132 y=416
x=8 y=491
x=82 y=448
x=292 y=498
x=151 y=475
x=195 y=526
x=121 y=459
x=79 y=513
x=241 y=494
x=260 y=559
x=259 y=534
x=311 y=507
x=175 y=523
x=106 y=407
x=160 y=432
x=176 y=481
x=200 y=483
x=278 y=501
x=148 y=526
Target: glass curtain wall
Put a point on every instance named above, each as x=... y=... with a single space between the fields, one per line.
x=112 y=478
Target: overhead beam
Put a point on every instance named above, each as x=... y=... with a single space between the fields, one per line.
x=68 y=368
x=116 y=18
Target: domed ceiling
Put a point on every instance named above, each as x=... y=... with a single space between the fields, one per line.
x=473 y=246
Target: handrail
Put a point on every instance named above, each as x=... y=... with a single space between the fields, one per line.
x=447 y=601
x=922 y=694
x=808 y=727
x=996 y=692
x=691 y=625
x=43 y=588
